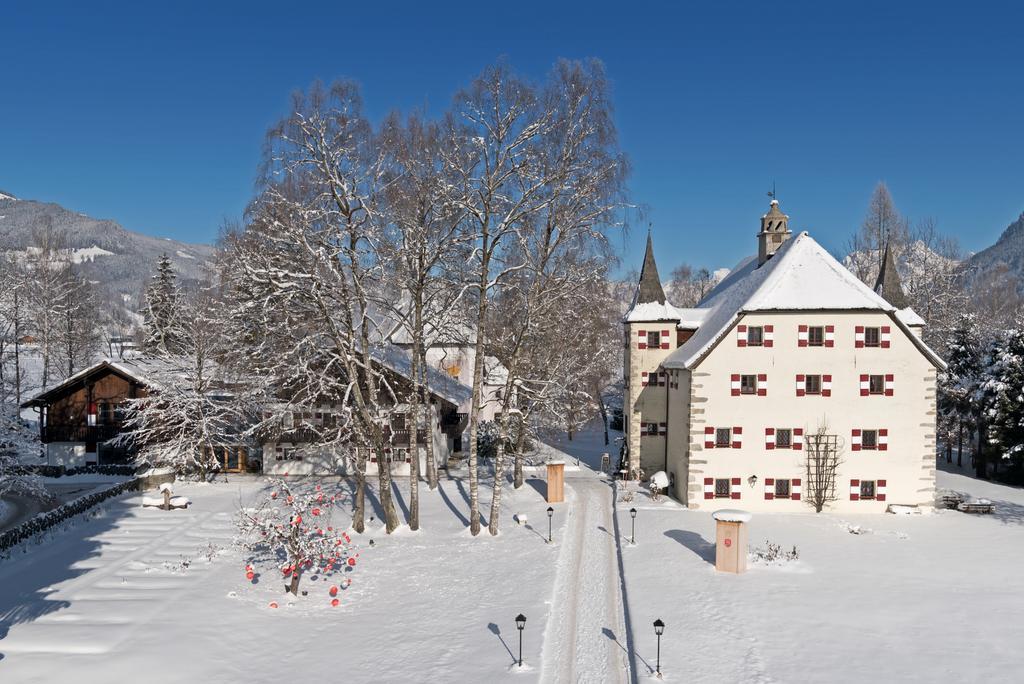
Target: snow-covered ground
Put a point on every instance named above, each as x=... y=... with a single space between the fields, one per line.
x=161 y=595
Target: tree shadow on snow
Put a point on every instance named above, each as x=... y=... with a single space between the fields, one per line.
x=704 y=549
x=496 y=631
x=541 y=486
x=396 y=494
x=611 y=635
x=451 y=504
x=465 y=497
x=35 y=568
x=1008 y=513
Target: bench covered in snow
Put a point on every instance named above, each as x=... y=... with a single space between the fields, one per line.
x=166 y=501
x=976 y=506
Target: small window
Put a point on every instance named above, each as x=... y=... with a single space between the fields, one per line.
x=783 y=438
x=722 y=489
x=723 y=437
x=812 y=384
x=781 y=489
x=816 y=336
x=654 y=339
x=876 y=384
x=869 y=439
x=748 y=384
x=288 y=454
x=872 y=338
x=398 y=421
x=652 y=429
x=755 y=336
x=867 y=489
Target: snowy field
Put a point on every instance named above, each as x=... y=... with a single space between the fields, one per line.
x=161 y=596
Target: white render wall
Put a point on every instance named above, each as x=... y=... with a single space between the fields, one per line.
x=909 y=415
x=67 y=454
x=645 y=404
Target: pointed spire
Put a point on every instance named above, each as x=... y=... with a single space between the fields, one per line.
x=888 y=285
x=649 y=289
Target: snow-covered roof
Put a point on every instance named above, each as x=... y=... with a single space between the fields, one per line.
x=801 y=276
x=909 y=317
x=655 y=311
x=441 y=384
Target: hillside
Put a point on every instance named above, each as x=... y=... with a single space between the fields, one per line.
x=119 y=260
x=1006 y=254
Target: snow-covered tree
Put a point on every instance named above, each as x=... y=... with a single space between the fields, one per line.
x=292 y=530
x=526 y=160
x=19 y=445
x=79 y=334
x=1005 y=383
x=957 y=410
x=162 y=312
x=305 y=274
x=193 y=408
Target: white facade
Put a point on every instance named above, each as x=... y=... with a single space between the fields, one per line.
x=789 y=345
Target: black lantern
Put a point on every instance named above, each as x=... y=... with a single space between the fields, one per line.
x=659 y=629
x=551 y=512
x=632 y=536
x=520 y=625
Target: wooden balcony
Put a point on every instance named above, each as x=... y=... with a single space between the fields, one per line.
x=79 y=433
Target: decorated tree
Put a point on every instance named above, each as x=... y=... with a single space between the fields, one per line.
x=293 y=530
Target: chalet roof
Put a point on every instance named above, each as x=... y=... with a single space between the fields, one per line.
x=132 y=371
x=802 y=276
x=888 y=284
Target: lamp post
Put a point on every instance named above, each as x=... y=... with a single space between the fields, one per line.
x=551 y=512
x=659 y=629
x=520 y=624
x=632 y=514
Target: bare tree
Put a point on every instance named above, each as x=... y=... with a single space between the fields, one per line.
x=823 y=456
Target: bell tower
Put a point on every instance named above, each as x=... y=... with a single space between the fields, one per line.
x=774 y=231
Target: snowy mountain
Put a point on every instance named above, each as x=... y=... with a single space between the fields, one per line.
x=119 y=260
x=915 y=263
x=1006 y=254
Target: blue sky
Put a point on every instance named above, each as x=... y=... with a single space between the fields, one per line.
x=154 y=115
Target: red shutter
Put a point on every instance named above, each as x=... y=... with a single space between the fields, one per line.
x=709 y=438
x=830 y=335
x=762 y=389
x=735 y=484
x=826 y=385
x=886 y=331
x=859 y=336
x=769 y=331
x=864 y=388
x=854 y=490
x=737 y=437
x=769 y=482
x=664 y=339
x=883 y=444
x=709 y=488
x=741 y=340
x=798 y=444
x=889 y=380
x=855 y=441
x=795 y=484
x=769 y=439
x=879 y=494
x=802 y=336
x=801 y=385
x=735 y=380
x=641 y=339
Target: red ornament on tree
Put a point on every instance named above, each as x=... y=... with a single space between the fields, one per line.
x=334 y=591
x=335 y=602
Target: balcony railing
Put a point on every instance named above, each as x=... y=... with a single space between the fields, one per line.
x=80 y=433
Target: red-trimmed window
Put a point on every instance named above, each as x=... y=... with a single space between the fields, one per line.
x=782 y=488
x=749 y=384
x=867 y=490
x=723 y=438
x=784 y=438
x=755 y=335
x=814 y=384
x=869 y=439
x=723 y=488
x=872 y=336
x=877 y=384
x=816 y=335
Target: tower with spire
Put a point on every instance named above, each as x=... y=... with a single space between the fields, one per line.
x=651 y=331
x=888 y=285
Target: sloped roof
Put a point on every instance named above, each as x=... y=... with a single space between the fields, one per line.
x=649 y=301
x=801 y=276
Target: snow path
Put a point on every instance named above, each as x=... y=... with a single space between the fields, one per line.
x=584 y=638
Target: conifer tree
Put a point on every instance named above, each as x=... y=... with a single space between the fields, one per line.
x=1006 y=414
x=956 y=408
x=162 y=310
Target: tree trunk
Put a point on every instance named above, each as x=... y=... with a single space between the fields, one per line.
x=414 y=444
x=359 y=504
x=520 y=445
x=293 y=586
x=474 y=409
x=960 y=447
x=387 y=503
x=604 y=412
x=499 y=473
x=980 y=467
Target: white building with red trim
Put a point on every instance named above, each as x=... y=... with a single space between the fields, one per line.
x=728 y=396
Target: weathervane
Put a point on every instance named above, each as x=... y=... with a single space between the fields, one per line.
x=771 y=193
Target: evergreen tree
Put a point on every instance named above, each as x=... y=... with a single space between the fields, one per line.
x=163 y=305
x=957 y=411
x=1006 y=384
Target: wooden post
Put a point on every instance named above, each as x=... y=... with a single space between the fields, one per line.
x=731 y=541
x=167 y=500
x=556 y=481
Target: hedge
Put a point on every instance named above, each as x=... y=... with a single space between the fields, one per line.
x=44 y=521
x=60 y=471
